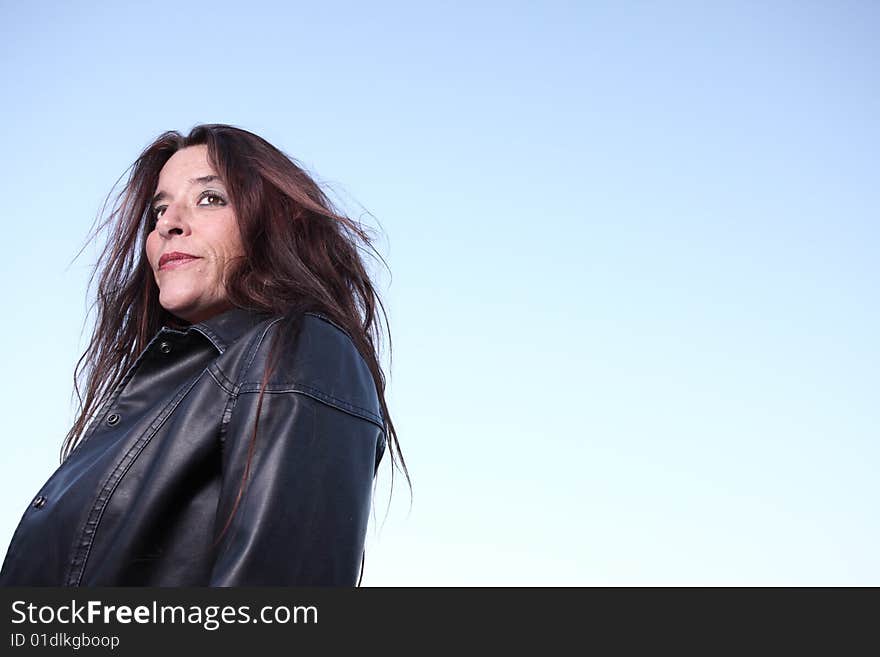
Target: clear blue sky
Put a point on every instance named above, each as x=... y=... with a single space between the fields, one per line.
x=633 y=251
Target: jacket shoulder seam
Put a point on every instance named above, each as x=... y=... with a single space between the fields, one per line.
x=321 y=396
x=256 y=343
x=326 y=319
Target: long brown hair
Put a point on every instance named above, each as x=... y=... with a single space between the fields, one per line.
x=301 y=254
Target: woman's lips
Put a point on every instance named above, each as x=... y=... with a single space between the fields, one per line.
x=176 y=263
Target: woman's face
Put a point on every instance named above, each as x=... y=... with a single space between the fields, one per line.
x=195 y=235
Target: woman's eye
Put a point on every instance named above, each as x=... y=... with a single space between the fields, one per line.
x=154 y=217
x=209 y=195
x=156 y=213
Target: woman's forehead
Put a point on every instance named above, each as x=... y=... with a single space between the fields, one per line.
x=186 y=161
x=187 y=167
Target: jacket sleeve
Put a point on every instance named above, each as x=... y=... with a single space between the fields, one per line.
x=302 y=518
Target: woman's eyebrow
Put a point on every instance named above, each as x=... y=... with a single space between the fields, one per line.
x=204 y=180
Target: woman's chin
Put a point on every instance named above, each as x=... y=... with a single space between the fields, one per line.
x=180 y=305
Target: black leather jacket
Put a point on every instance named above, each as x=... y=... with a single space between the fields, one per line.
x=142 y=497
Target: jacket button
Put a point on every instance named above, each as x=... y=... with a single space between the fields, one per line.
x=39 y=502
x=165 y=347
x=113 y=419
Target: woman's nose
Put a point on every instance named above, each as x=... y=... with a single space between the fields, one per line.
x=172 y=222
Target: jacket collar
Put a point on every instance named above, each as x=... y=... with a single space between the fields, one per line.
x=224 y=329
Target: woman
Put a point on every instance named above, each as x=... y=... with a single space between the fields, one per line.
x=234 y=414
